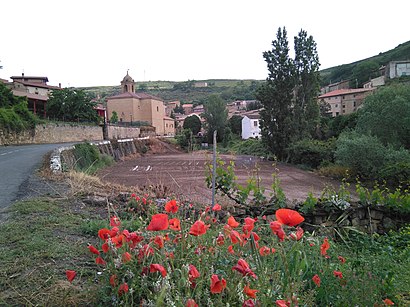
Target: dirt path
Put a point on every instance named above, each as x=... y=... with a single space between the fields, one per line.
x=184 y=175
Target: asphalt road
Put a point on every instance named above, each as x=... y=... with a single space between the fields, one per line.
x=17 y=164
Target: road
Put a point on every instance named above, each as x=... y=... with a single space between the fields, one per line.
x=17 y=163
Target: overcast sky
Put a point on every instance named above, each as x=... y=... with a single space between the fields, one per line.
x=90 y=42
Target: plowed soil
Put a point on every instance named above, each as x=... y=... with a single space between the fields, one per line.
x=184 y=175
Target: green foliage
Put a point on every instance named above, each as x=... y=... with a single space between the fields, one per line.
x=185 y=139
x=312 y=153
x=71 y=105
x=253 y=147
x=89 y=159
x=192 y=123
x=235 y=124
x=216 y=116
x=114 y=117
x=363 y=72
x=309 y=204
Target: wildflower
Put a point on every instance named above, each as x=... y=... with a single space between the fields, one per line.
x=298 y=235
x=273 y=250
x=324 y=247
x=388 y=302
x=191 y=303
x=217 y=207
x=282 y=303
x=133 y=195
x=93 y=250
x=217 y=286
x=114 y=231
x=341 y=259
x=192 y=275
x=99 y=260
x=123 y=289
x=230 y=249
x=70 y=274
x=145 y=251
x=171 y=206
x=235 y=237
x=232 y=222
x=158 y=222
x=316 y=280
x=198 y=228
x=105 y=247
x=170 y=255
x=289 y=217
x=159 y=241
x=264 y=251
x=175 y=224
x=113 y=280
x=126 y=257
x=158 y=268
x=250 y=292
x=249 y=225
x=338 y=274
x=248 y=303
x=144 y=200
x=277 y=229
x=115 y=221
x=104 y=234
x=220 y=240
x=243 y=267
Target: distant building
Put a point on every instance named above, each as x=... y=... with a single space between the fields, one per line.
x=199 y=109
x=188 y=108
x=375 y=82
x=345 y=101
x=201 y=84
x=170 y=106
x=250 y=125
x=396 y=69
x=131 y=107
x=344 y=84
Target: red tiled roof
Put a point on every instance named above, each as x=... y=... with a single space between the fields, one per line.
x=345 y=92
x=187 y=105
x=134 y=95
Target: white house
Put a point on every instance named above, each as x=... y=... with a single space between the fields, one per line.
x=250 y=126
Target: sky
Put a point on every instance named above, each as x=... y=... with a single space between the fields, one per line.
x=94 y=43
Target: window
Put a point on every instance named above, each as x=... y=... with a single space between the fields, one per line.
x=336 y=105
x=337 y=113
x=255 y=123
x=157 y=109
x=344 y=106
x=166 y=125
x=354 y=103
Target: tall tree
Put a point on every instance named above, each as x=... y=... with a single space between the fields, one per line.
x=307 y=87
x=276 y=96
x=216 y=116
x=192 y=123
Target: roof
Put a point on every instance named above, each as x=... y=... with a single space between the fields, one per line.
x=134 y=95
x=127 y=78
x=252 y=116
x=345 y=92
x=187 y=105
x=42 y=85
x=168 y=118
x=30 y=95
x=30 y=77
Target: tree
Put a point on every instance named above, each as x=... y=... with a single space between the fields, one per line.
x=192 y=123
x=363 y=72
x=114 y=117
x=306 y=64
x=235 y=124
x=276 y=96
x=216 y=116
x=71 y=105
x=179 y=109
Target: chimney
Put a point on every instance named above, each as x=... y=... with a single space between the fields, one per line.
x=22 y=74
x=59 y=85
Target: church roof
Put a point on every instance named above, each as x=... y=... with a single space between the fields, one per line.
x=140 y=95
x=127 y=78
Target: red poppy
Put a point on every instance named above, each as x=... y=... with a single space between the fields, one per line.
x=191 y=303
x=388 y=302
x=100 y=261
x=298 y=235
x=217 y=207
x=220 y=240
x=277 y=229
x=70 y=274
x=289 y=217
x=243 y=267
x=113 y=280
x=118 y=240
x=255 y=236
x=115 y=221
x=135 y=239
x=104 y=234
x=250 y=292
x=159 y=241
x=248 y=303
x=338 y=274
x=193 y=273
x=217 y=286
x=273 y=250
x=324 y=247
x=282 y=303
x=316 y=280
x=105 y=247
x=175 y=224
x=230 y=249
x=93 y=249
x=114 y=231
x=235 y=237
x=158 y=268
x=145 y=251
x=198 y=228
x=123 y=289
x=249 y=225
x=171 y=206
x=341 y=259
x=126 y=257
x=264 y=251
x=170 y=255
x=158 y=222
x=232 y=222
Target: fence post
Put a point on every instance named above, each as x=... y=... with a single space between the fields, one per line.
x=214 y=171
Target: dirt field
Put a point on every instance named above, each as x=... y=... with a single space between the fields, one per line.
x=184 y=175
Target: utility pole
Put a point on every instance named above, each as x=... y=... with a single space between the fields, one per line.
x=214 y=171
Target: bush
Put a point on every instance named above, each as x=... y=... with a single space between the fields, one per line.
x=88 y=158
x=312 y=152
x=253 y=147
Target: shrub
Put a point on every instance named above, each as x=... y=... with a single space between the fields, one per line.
x=89 y=159
x=312 y=152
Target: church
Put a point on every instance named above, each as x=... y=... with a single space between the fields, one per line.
x=132 y=107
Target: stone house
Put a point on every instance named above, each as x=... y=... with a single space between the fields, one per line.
x=250 y=125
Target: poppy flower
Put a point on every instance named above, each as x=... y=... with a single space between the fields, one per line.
x=115 y=221
x=341 y=259
x=249 y=225
x=170 y=255
x=100 y=261
x=324 y=247
x=159 y=242
x=289 y=217
x=158 y=268
x=277 y=229
x=217 y=286
x=104 y=234
x=338 y=274
x=243 y=267
x=250 y=292
x=193 y=272
x=158 y=222
x=388 y=302
x=235 y=237
x=70 y=274
x=198 y=228
x=145 y=251
x=316 y=280
x=220 y=240
x=191 y=303
x=171 y=206
x=217 y=207
x=282 y=303
x=298 y=235
x=93 y=250
x=248 y=303
x=118 y=240
x=105 y=247
x=126 y=257
x=175 y=224
x=264 y=251
x=230 y=250
x=232 y=222
x=113 y=280
x=123 y=289
x=114 y=231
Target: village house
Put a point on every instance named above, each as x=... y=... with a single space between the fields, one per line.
x=132 y=107
x=251 y=125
